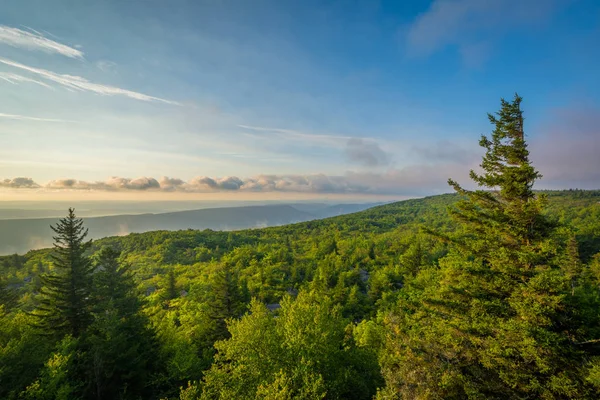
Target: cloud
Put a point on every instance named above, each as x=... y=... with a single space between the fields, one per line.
x=14 y=78
x=81 y=84
x=170 y=184
x=106 y=66
x=446 y=151
x=18 y=183
x=36 y=41
x=204 y=183
x=27 y=118
x=112 y=184
x=567 y=148
x=366 y=153
x=315 y=183
x=312 y=138
x=457 y=22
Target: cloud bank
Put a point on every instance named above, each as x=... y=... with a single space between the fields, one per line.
x=18 y=183
x=317 y=183
x=36 y=41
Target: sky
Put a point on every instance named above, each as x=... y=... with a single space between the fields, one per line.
x=274 y=99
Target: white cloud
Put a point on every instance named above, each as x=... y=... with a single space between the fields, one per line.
x=328 y=140
x=78 y=83
x=36 y=41
x=14 y=78
x=27 y=118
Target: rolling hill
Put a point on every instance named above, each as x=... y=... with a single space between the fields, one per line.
x=21 y=235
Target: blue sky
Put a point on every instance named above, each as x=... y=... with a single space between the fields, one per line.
x=288 y=98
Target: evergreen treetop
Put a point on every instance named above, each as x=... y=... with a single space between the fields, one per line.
x=65 y=301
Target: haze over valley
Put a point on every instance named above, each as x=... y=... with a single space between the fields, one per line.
x=19 y=235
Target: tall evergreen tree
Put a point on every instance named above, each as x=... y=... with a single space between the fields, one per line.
x=8 y=297
x=225 y=299
x=171 y=289
x=118 y=349
x=113 y=284
x=491 y=322
x=65 y=302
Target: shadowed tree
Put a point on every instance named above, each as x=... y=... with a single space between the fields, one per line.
x=65 y=301
x=226 y=300
x=118 y=348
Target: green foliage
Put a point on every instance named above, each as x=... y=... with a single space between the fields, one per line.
x=22 y=353
x=54 y=382
x=306 y=352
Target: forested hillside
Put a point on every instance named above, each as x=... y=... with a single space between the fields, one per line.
x=491 y=293
x=21 y=235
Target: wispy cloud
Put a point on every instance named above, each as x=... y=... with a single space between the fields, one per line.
x=14 y=78
x=28 y=118
x=81 y=84
x=458 y=22
x=36 y=41
x=331 y=140
x=105 y=65
x=366 y=153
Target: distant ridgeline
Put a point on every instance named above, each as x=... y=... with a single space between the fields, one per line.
x=24 y=234
x=386 y=229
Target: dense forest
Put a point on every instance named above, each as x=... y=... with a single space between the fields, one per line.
x=487 y=293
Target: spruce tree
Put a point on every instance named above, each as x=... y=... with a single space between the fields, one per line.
x=118 y=349
x=171 y=290
x=113 y=284
x=65 y=302
x=492 y=321
x=225 y=299
x=8 y=297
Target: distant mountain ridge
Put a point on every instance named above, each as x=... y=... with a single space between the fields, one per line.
x=21 y=235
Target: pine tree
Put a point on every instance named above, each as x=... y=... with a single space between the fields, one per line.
x=65 y=303
x=226 y=299
x=491 y=322
x=572 y=265
x=171 y=291
x=118 y=347
x=8 y=297
x=113 y=284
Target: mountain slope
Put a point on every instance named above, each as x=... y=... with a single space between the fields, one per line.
x=20 y=235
